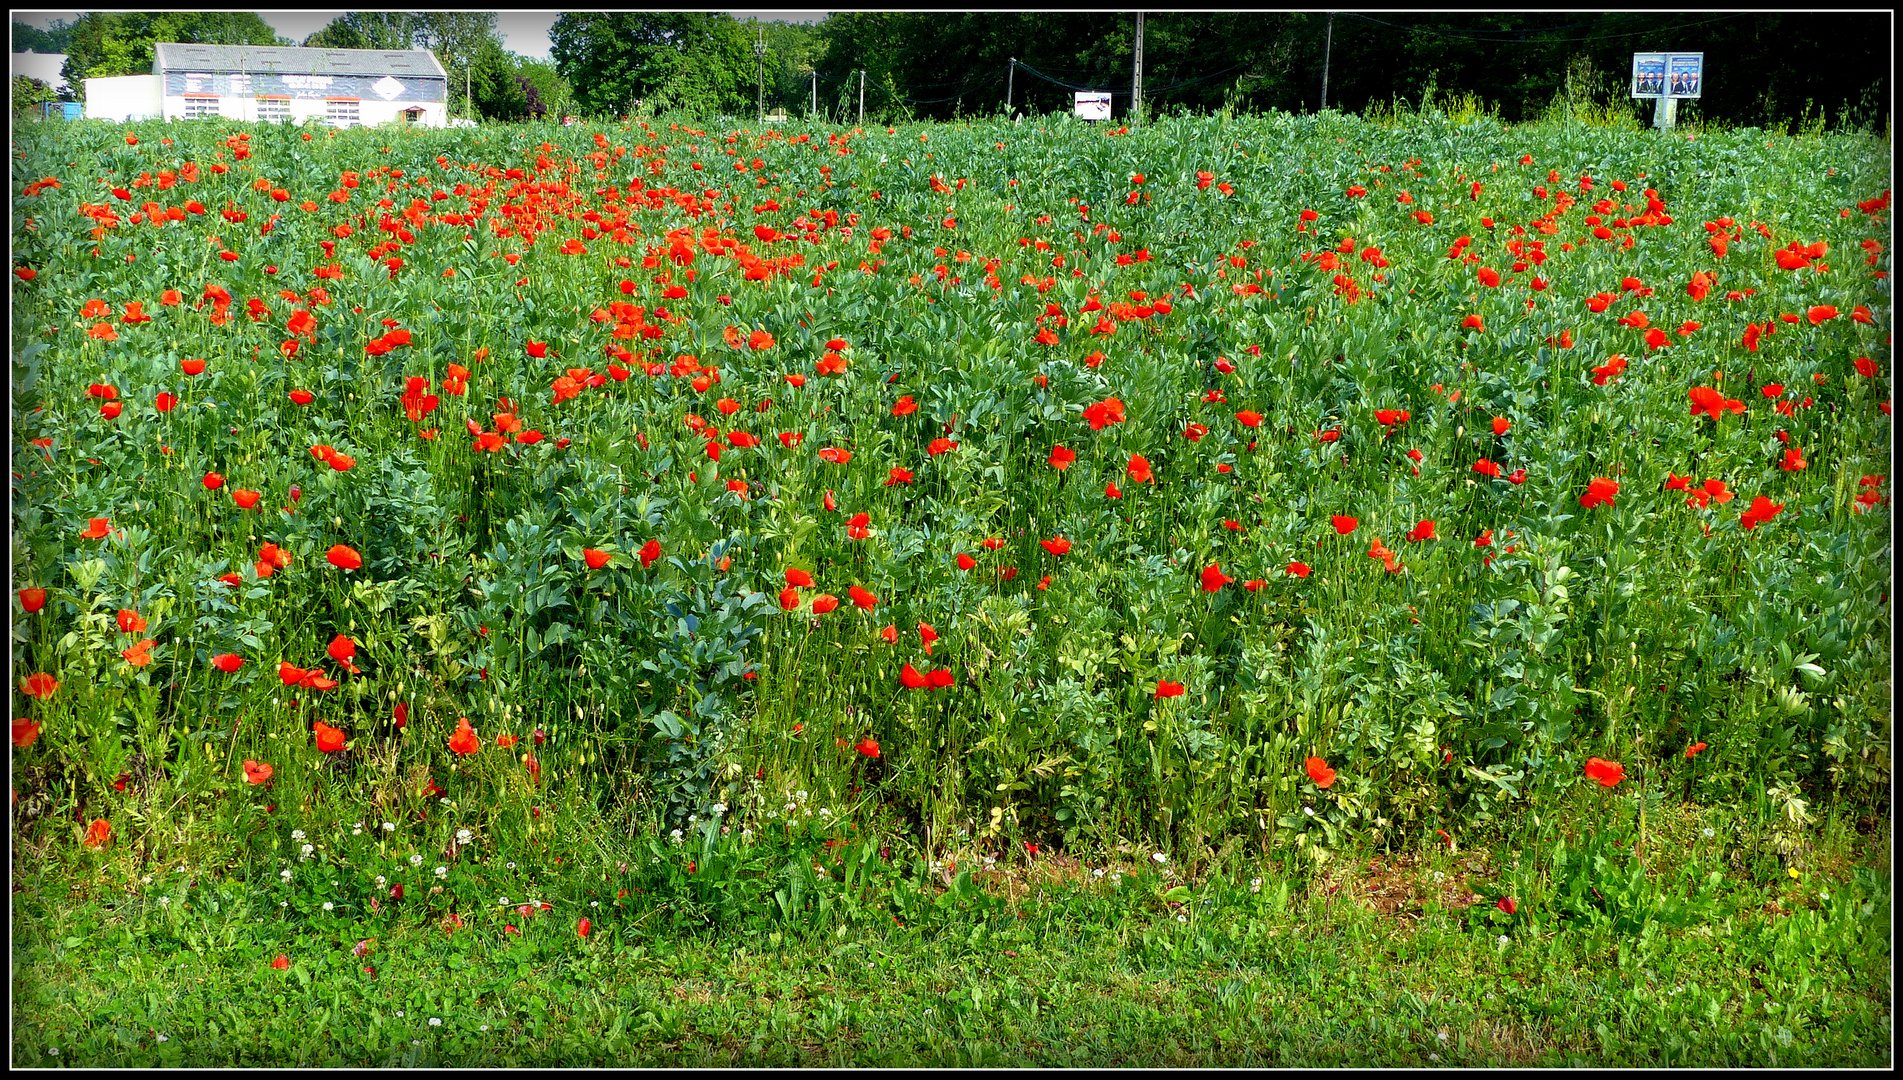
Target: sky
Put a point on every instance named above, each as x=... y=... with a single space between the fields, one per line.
x=524 y=32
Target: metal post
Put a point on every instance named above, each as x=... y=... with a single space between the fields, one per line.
x=1136 y=81
x=1328 y=49
x=1010 y=83
x=759 y=53
x=1665 y=113
x=862 y=95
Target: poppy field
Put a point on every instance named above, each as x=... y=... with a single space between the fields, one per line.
x=1217 y=491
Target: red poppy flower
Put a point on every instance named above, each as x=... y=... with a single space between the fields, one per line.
x=824 y=603
x=192 y=367
x=862 y=599
x=96 y=528
x=213 y=481
x=966 y=562
x=98 y=833
x=32 y=599
x=139 y=655
x=25 y=731
x=1761 y=510
x=329 y=739
x=344 y=651
x=1607 y=773
x=464 y=742
x=1139 y=470
x=227 y=662
x=650 y=551
x=130 y=622
x=1508 y=905
x=595 y=557
x=1344 y=524
x=584 y=927
x=1249 y=418
x=256 y=772
x=245 y=499
x=1424 y=530
x=1320 y=773
x=1061 y=458
x=868 y=747
x=1168 y=689
x=1214 y=579
x=1821 y=313
x=1694 y=750
x=281 y=962
x=165 y=402
x=344 y=557
x=1298 y=569
x=1599 y=492
x=911 y=678
x=905 y=406
x=1104 y=413
x=940 y=678
x=1057 y=545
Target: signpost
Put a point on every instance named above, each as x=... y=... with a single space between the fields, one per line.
x=1667 y=78
x=1093 y=105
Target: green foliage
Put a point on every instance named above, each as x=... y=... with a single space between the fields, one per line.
x=696 y=62
x=28 y=94
x=52 y=38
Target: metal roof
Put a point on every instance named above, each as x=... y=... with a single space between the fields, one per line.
x=177 y=56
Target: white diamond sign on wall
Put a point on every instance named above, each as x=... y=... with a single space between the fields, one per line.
x=388 y=88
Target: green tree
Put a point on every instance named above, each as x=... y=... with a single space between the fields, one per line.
x=499 y=94
x=29 y=93
x=697 y=61
x=367 y=30
x=120 y=43
x=53 y=39
x=546 y=93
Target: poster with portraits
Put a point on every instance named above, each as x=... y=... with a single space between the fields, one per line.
x=1674 y=75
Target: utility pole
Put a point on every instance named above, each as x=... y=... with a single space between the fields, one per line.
x=1328 y=49
x=862 y=96
x=1136 y=82
x=1010 y=84
x=759 y=53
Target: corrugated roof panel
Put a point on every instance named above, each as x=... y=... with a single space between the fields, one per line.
x=173 y=55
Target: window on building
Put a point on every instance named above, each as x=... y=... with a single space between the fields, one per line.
x=196 y=107
x=273 y=109
x=341 y=113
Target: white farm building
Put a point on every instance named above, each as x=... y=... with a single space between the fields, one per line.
x=341 y=87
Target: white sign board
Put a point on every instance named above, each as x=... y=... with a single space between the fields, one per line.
x=1668 y=75
x=1093 y=106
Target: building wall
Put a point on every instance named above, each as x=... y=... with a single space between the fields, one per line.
x=369 y=112
x=123 y=98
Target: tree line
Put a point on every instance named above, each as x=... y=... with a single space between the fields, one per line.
x=1761 y=68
